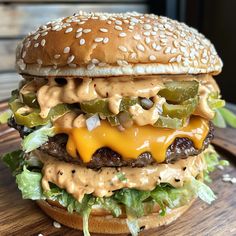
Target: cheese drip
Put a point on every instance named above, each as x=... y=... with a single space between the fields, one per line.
x=131 y=142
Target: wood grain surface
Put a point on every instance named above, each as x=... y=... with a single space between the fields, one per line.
x=23 y=217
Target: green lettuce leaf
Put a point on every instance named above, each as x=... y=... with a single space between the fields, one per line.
x=133 y=226
x=219 y=120
x=201 y=190
x=4 y=116
x=37 y=138
x=212 y=159
x=133 y=200
x=29 y=183
x=15 y=161
x=109 y=204
x=228 y=116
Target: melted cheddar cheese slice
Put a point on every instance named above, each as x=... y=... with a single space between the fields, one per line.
x=133 y=141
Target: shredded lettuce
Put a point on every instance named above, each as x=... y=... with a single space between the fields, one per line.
x=4 y=116
x=133 y=226
x=37 y=138
x=212 y=159
x=136 y=202
x=15 y=161
x=133 y=200
x=29 y=182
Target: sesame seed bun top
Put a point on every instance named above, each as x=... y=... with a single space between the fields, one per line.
x=103 y=44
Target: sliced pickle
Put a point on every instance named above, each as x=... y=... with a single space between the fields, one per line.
x=113 y=120
x=101 y=106
x=32 y=118
x=127 y=102
x=179 y=91
x=30 y=100
x=168 y=122
x=182 y=110
x=214 y=101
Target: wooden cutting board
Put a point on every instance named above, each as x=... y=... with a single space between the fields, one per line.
x=24 y=218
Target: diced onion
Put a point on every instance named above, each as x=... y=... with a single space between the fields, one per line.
x=93 y=122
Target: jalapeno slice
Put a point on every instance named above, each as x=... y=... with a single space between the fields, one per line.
x=168 y=122
x=179 y=91
x=32 y=118
x=30 y=100
x=101 y=106
x=182 y=110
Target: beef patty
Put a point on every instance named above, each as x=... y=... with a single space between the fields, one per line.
x=56 y=146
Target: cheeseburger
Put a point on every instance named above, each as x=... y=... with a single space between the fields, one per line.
x=115 y=113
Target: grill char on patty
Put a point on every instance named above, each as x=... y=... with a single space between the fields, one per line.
x=181 y=148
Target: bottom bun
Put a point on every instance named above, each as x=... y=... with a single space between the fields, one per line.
x=107 y=224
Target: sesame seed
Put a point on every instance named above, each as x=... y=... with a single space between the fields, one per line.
x=68 y=30
x=137 y=37
x=153 y=33
x=95 y=61
x=56 y=225
x=178 y=59
x=131 y=27
x=98 y=40
x=173 y=59
x=176 y=44
x=183 y=49
x=40 y=234
x=39 y=61
x=57 y=56
x=36 y=36
x=102 y=64
x=147 y=40
x=158 y=48
x=55 y=27
x=155 y=28
x=66 y=50
x=152 y=58
x=78 y=35
x=90 y=66
x=164 y=40
x=122 y=63
x=105 y=40
x=70 y=59
x=79 y=30
x=117 y=27
x=81 y=22
x=109 y=22
x=44 y=33
x=43 y=42
x=118 y=22
x=133 y=55
x=36 y=45
x=24 y=54
x=104 y=30
x=87 y=31
x=167 y=50
x=147 y=27
x=140 y=47
x=173 y=51
x=82 y=41
x=204 y=61
x=122 y=35
x=146 y=33
x=123 y=49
